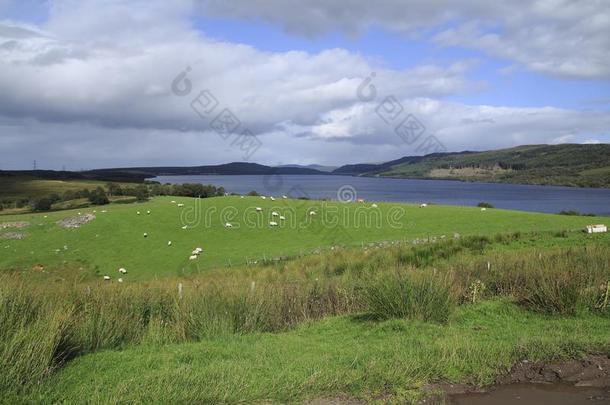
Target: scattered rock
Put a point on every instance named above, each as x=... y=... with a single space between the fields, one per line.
x=76 y=222
x=16 y=224
x=13 y=235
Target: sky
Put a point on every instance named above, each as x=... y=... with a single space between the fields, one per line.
x=90 y=84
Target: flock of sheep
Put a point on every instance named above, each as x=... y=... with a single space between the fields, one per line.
x=275 y=216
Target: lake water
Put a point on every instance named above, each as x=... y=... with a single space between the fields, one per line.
x=510 y=196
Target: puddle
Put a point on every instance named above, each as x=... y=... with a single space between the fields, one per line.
x=536 y=394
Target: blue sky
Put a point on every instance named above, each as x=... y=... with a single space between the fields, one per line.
x=88 y=83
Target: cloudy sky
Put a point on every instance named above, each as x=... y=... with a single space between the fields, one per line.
x=92 y=83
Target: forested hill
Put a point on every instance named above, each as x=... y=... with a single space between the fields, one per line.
x=566 y=164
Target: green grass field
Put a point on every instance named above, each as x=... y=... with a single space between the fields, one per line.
x=337 y=357
x=115 y=238
x=28 y=187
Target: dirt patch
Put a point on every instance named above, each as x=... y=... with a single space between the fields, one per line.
x=16 y=225
x=590 y=371
x=76 y=222
x=13 y=235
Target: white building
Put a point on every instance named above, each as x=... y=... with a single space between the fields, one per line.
x=596 y=228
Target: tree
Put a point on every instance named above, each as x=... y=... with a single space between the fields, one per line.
x=98 y=197
x=42 y=204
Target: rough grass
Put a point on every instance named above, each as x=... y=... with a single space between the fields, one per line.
x=55 y=320
x=115 y=239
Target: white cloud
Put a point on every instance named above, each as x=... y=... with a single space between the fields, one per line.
x=558 y=37
x=91 y=87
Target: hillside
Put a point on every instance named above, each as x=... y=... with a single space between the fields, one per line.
x=567 y=165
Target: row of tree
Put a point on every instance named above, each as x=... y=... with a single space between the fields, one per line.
x=101 y=196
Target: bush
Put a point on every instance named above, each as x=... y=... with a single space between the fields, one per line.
x=42 y=204
x=98 y=197
x=253 y=194
x=484 y=204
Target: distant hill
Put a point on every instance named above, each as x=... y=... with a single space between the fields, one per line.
x=235 y=168
x=566 y=164
x=320 y=168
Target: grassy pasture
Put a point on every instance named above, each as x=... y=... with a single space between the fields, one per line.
x=115 y=238
x=29 y=187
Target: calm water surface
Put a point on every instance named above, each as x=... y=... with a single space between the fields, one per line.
x=510 y=196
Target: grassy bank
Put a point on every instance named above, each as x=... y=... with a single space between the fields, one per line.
x=378 y=321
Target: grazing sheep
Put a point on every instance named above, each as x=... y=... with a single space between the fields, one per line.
x=272 y=199
x=185 y=226
x=374 y=205
x=275 y=214
x=228 y=225
x=169 y=243
x=195 y=252
x=138 y=212
x=284 y=197
x=282 y=217
x=311 y=213
x=120 y=280
x=193 y=257
x=173 y=202
x=263 y=197
x=145 y=235
x=423 y=205
x=104 y=211
x=198 y=250
x=272 y=223
x=180 y=205
x=258 y=209
x=241 y=196
x=122 y=271
x=148 y=212
x=483 y=209
x=106 y=278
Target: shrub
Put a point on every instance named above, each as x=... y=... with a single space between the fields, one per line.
x=484 y=204
x=42 y=204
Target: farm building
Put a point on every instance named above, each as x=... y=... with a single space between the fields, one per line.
x=596 y=228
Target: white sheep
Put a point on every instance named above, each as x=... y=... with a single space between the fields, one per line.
x=104 y=211
x=122 y=270
x=374 y=206
x=138 y=212
x=275 y=214
x=273 y=223
x=106 y=278
x=195 y=253
x=120 y=280
x=272 y=199
x=198 y=250
x=169 y=243
x=228 y=225
x=173 y=202
x=185 y=226
x=483 y=209
x=241 y=196
x=311 y=213
x=180 y=205
x=258 y=209
x=145 y=235
x=193 y=257
x=148 y=212
x=284 y=197
x=423 y=205
x=263 y=197
x=282 y=218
